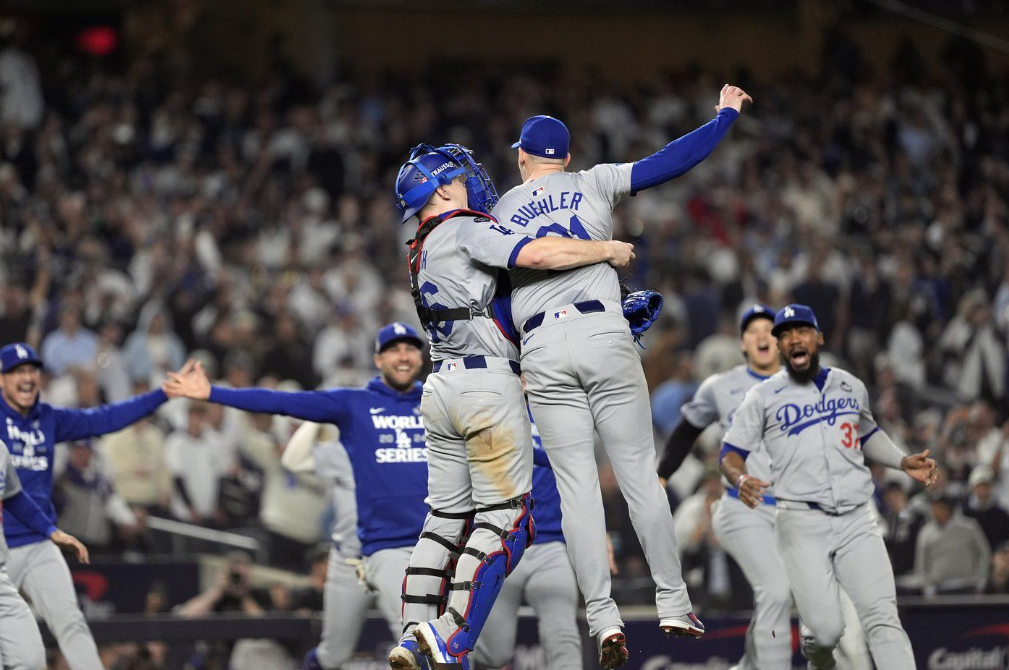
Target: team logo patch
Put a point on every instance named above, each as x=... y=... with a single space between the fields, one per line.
x=21 y=351
x=550 y=152
x=845 y=386
x=789 y=312
x=538 y=191
x=449 y=367
x=561 y=314
x=399 y=329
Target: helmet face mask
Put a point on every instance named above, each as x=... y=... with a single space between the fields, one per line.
x=430 y=167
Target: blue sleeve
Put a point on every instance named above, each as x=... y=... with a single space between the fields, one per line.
x=682 y=154
x=76 y=424
x=540 y=458
x=23 y=508
x=729 y=449
x=318 y=406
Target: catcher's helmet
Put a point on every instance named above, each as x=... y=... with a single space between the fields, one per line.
x=430 y=167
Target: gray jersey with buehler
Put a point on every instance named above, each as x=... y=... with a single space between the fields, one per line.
x=332 y=465
x=459 y=267
x=717 y=400
x=566 y=204
x=812 y=436
x=10 y=486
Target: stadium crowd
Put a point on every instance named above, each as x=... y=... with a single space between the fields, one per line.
x=149 y=217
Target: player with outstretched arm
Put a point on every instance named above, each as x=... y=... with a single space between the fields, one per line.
x=31 y=430
x=582 y=366
x=817 y=427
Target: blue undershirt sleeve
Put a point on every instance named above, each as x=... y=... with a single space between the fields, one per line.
x=729 y=449
x=681 y=154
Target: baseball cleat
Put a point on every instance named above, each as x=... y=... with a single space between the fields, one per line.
x=687 y=625
x=431 y=646
x=406 y=656
x=612 y=648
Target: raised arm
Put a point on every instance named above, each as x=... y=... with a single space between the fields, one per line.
x=684 y=153
x=77 y=424
x=297 y=456
x=679 y=444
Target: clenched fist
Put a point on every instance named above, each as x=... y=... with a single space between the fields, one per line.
x=732 y=96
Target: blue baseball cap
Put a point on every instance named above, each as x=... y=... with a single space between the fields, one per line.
x=396 y=332
x=17 y=354
x=794 y=313
x=544 y=136
x=758 y=311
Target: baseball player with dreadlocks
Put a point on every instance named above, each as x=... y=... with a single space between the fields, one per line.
x=582 y=367
x=478 y=432
x=818 y=430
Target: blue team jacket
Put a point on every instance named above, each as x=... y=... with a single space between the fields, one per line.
x=31 y=440
x=383 y=433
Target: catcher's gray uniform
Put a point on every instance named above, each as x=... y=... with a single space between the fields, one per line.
x=478 y=436
x=583 y=373
x=345 y=601
x=813 y=434
x=748 y=535
x=21 y=645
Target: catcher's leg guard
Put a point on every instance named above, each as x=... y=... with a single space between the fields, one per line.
x=500 y=536
x=426 y=584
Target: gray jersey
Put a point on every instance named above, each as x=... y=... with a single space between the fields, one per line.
x=567 y=204
x=10 y=486
x=459 y=268
x=717 y=400
x=333 y=466
x=813 y=434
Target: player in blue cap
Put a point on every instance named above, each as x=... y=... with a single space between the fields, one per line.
x=815 y=425
x=383 y=435
x=32 y=430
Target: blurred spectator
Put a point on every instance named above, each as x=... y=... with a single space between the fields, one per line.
x=21 y=103
x=974 y=356
x=233 y=592
x=197 y=464
x=902 y=528
x=672 y=394
x=292 y=504
x=70 y=345
x=113 y=370
x=952 y=554
x=998 y=581
x=982 y=507
x=139 y=466
x=87 y=502
x=153 y=349
x=289 y=358
x=308 y=599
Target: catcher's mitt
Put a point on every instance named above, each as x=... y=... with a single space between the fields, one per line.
x=641 y=309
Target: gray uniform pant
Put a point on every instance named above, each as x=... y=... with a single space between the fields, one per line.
x=547 y=581
x=346 y=606
x=385 y=570
x=583 y=375
x=479 y=446
x=748 y=535
x=821 y=552
x=21 y=645
x=41 y=572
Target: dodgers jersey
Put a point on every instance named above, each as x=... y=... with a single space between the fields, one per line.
x=459 y=267
x=566 y=204
x=717 y=400
x=31 y=441
x=383 y=433
x=813 y=434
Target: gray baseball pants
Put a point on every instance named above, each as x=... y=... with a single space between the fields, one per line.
x=821 y=553
x=21 y=645
x=584 y=375
x=40 y=571
x=346 y=606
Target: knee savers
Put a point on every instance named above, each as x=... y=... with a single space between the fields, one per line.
x=501 y=534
